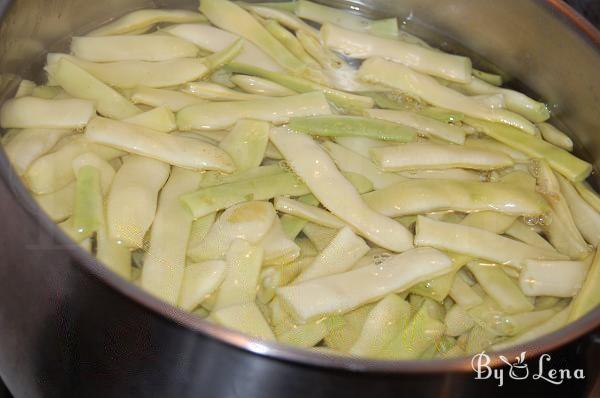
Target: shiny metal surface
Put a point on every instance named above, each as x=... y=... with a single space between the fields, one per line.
x=32 y=27
x=67 y=324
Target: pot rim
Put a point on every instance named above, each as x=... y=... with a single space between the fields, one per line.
x=287 y=353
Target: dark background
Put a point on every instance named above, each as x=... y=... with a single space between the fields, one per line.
x=589 y=8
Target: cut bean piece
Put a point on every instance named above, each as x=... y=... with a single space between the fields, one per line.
x=133 y=199
x=230 y=16
x=250 y=221
x=107 y=173
x=88 y=209
x=54 y=170
x=30 y=144
x=382 y=324
x=343 y=292
x=131 y=74
x=341 y=339
x=31 y=112
x=79 y=83
x=478 y=243
x=415 y=338
x=260 y=86
x=142 y=20
x=222 y=115
x=458 y=321
x=318 y=171
x=348 y=161
x=132 y=48
x=553 y=278
x=247 y=143
x=425 y=125
x=159 y=119
x=339 y=256
x=400 y=77
x=200 y=228
x=555 y=136
x=326 y=58
x=216 y=92
x=241 y=275
x=464 y=295
x=290 y=41
x=413 y=197
x=500 y=287
x=573 y=168
x=586 y=218
x=588 y=194
x=515 y=101
x=353 y=126
x=559 y=225
x=444 y=174
x=429 y=61
x=212 y=199
x=431 y=156
x=527 y=235
x=199 y=281
x=178 y=151
x=350 y=102
x=319 y=236
x=323 y=14
x=282 y=16
x=491 y=144
x=155 y=97
x=278 y=248
x=547 y=327
x=588 y=297
x=307 y=212
x=164 y=263
x=213 y=39
x=245 y=318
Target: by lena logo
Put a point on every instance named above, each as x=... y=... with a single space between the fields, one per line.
x=519 y=370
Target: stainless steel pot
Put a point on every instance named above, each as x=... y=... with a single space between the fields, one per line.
x=68 y=327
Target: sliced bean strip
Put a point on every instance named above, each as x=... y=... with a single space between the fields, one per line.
x=343 y=292
x=216 y=116
x=377 y=70
x=352 y=126
x=478 y=243
x=318 y=171
x=431 y=156
x=142 y=20
x=423 y=124
x=362 y=46
x=426 y=196
x=178 y=151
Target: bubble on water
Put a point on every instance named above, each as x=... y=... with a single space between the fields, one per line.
x=493 y=176
x=535 y=168
x=404 y=100
x=381 y=258
x=285 y=166
x=541 y=220
x=531 y=220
